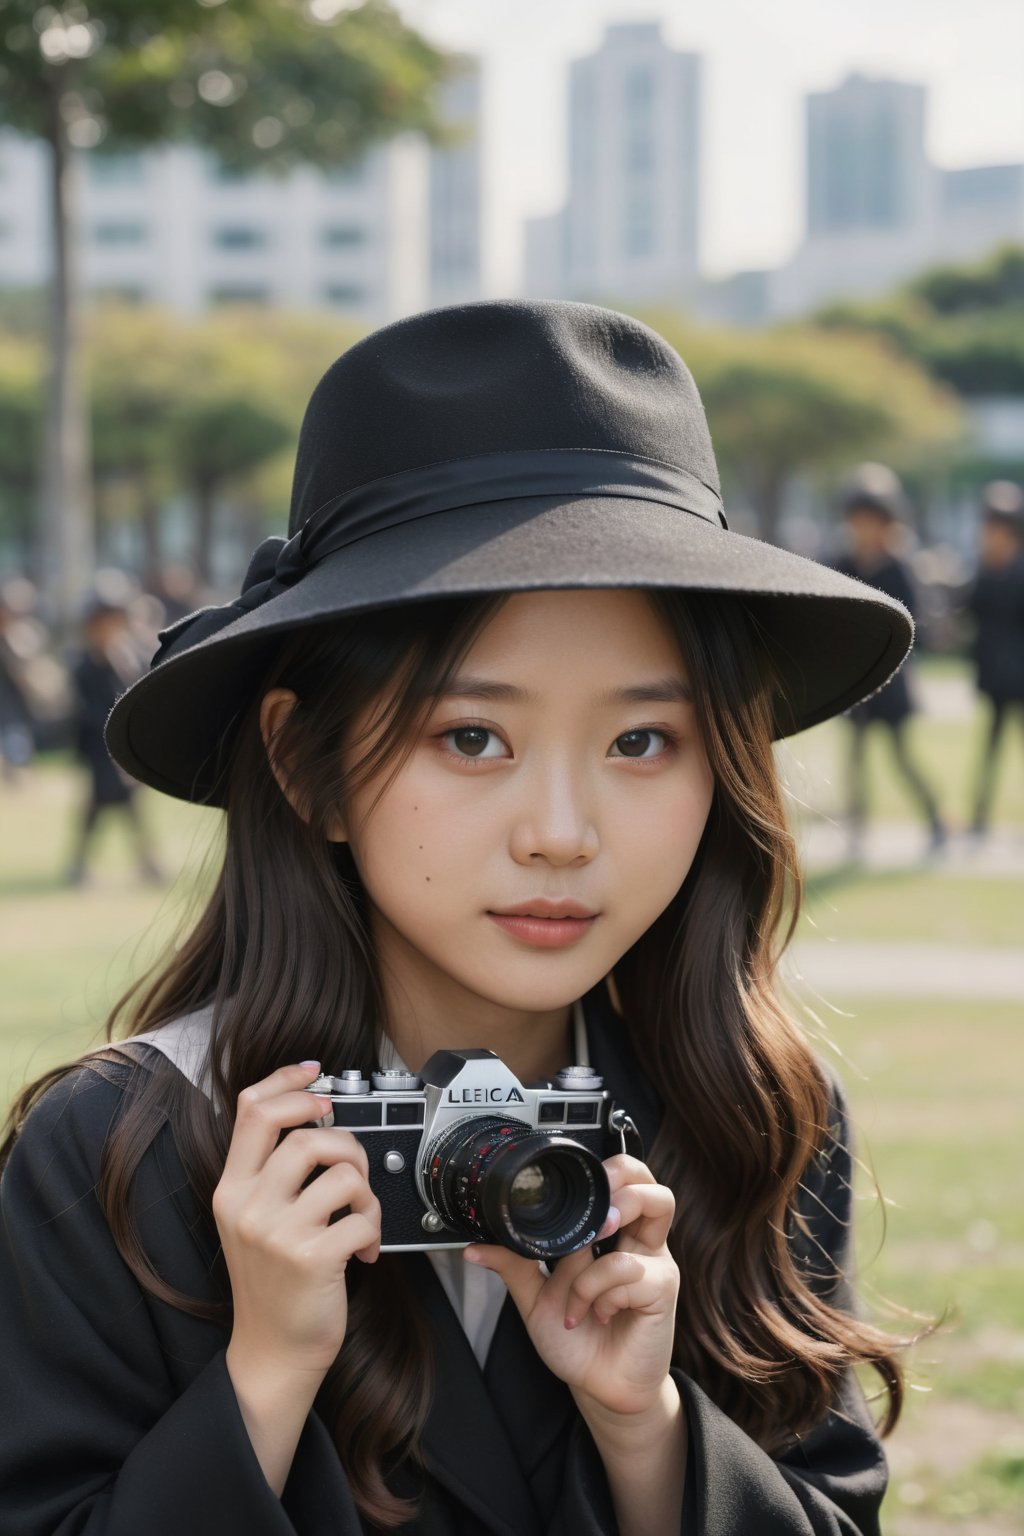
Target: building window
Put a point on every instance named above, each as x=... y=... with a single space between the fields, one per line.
x=639 y=154
x=114 y=170
x=118 y=232
x=239 y=237
x=639 y=91
x=239 y=293
x=345 y=295
x=335 y=236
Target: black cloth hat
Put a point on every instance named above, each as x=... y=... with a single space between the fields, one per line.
x=497 y=447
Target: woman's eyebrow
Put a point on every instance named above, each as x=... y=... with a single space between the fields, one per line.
x=664 y=690
x=483 y=688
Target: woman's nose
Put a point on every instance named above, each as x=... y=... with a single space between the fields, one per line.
x=555 y=821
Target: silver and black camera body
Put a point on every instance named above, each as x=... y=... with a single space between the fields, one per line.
x=465 y=1153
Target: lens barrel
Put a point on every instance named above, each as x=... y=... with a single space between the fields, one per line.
x=497 y=1180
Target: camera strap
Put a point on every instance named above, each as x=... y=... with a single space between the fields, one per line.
x=622 y=1123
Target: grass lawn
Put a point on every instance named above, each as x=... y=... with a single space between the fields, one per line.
x=934 y=1089
x=935 y=1093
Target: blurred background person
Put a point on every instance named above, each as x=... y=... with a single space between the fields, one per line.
x=996 y=603
x=17 y=727
x=107 y=662
x=873 y=506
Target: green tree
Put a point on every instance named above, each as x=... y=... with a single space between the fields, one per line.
x=137 y=370
x=993 y=283
x=963 y=324
x=259 y=82
x=206 y=408
x=795 y=400
x=21 y=419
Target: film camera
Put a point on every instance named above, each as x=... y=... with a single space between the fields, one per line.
x=465 y=1153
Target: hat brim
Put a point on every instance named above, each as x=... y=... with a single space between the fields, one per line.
x=833 y=639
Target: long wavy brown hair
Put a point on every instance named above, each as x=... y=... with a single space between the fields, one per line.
x=282 y=951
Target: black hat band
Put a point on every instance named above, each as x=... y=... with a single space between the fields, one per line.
x=393 y=500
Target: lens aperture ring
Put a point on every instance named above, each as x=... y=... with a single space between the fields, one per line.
x=501 y=1180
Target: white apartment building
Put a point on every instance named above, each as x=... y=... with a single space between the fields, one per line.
x=629 y=226
x=386 y=236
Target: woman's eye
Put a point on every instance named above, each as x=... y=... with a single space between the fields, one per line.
x=639 y=744
x=474 y=741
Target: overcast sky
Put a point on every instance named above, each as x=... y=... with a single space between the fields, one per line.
x=760 y=58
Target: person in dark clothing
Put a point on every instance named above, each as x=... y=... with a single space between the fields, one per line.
x=996 y=604
x=873 y=504
x=17 y=735
x=493 y=732
x=100 y=673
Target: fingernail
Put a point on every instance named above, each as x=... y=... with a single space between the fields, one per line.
x=310 y=1064
x=471 y=1256
x=570 y=1322
x=611 y=1222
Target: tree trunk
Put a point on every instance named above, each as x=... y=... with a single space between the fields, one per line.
x=768 y=505
x=205 y=505
x=68 y=553
x=152 y=542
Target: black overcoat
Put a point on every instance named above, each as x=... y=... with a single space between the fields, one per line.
x=117 y=1415
x=894 y=702
x=97 y=687
x=997 y=603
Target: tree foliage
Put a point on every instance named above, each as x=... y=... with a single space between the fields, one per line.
x=798 y=399
x=260 y=83
x=205 y=411
x=963 y=324
x=21 y=386
x=268 y=82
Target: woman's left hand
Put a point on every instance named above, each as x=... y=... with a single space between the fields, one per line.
x=604 y=1325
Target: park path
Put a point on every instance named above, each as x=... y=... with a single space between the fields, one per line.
x=824 y=843
x=847 y=969
x=906 y=969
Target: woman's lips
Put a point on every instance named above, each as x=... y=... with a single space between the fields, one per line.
x=543 y=930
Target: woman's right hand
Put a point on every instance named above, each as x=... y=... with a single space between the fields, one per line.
x=286 y=1258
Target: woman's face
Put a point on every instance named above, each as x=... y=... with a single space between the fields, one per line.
x=549 y=810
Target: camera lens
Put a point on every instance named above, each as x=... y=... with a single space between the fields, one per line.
x=500 y=1181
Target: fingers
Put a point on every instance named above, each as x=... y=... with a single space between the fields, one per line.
x=646 y=1212
x=522 y=1277
x=358 y=1234
x=264 y=1110
x=618 y=1282
x=342 y=1187
x=623 y=1169
x=302 y=1151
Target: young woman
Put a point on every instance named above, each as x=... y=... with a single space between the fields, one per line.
x=493 y=734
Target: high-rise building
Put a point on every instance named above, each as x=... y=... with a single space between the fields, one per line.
x=629 y=229
x=878 y=210
x=455 y=257
x=867 y=167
